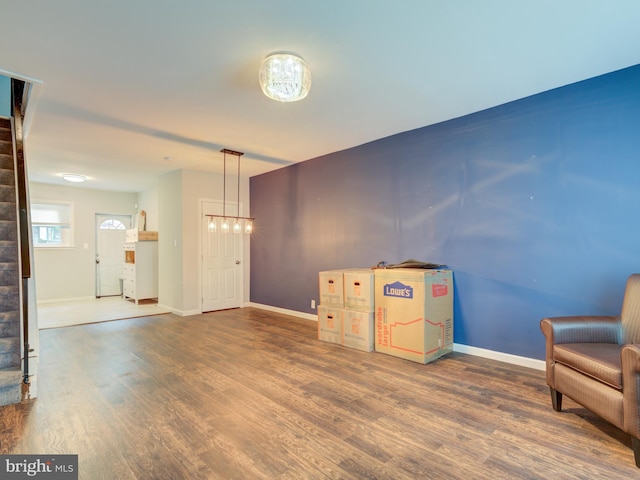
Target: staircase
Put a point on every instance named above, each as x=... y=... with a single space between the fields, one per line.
x=10 y=348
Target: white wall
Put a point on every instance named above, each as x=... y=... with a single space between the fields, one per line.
x=180 y=194
x=170 y=248
x=172 y=208
x=68 y=273
x=148 y=201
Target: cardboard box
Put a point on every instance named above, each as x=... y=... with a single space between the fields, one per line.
x=357 y=330
x=358 y=289
x=330 y=324
x=414 y=313
x=331 y=288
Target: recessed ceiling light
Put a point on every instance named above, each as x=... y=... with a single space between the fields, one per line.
x=74 y=177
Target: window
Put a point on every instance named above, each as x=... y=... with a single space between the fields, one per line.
x=52 y=224
x=112 y=224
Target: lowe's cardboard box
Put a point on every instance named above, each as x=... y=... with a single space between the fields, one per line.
x=330 y=324
x=358 y=289
x=331 y=288
x=414 y=313
x=357 y=330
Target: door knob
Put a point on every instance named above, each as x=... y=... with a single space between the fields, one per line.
x=237 y=262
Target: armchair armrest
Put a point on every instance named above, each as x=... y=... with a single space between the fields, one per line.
x=578 y=329
x=631 y=383
x=582 y=329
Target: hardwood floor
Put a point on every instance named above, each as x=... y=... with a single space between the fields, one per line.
x=249 y=394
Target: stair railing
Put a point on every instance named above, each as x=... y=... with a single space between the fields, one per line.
x=19 y=95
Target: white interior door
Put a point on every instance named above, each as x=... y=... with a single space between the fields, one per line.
x=222 y=277
x=110 y=235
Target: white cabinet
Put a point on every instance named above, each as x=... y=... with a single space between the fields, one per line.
x=140 y=273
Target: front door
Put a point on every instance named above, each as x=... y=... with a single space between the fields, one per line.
x=110 y=235
x=222 y=270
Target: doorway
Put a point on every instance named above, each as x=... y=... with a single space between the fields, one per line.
x=222 y=260
x=110 y=235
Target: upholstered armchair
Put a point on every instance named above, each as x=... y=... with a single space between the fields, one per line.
x=595 y=361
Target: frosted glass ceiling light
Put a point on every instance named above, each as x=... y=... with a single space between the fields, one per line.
x=285 y=77
x=74 y=177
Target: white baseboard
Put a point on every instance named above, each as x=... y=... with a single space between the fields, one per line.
x=457 y=347
x=182 y=313
x=166 y=307
x=500 y=356
x=66 y=300
x=284 y=311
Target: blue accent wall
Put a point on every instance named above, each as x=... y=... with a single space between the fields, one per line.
x=533 y=204
x=5 y=96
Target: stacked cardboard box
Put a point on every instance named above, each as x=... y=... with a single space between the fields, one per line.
x=404 y=312
x=331 y=305
x=330 y=324
x=414 y=313
x=357 y=316
x=345 y=313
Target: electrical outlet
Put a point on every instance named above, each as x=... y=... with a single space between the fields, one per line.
x=313 y=304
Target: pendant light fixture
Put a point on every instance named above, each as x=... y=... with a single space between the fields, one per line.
x=240 y=224
x=285 y=77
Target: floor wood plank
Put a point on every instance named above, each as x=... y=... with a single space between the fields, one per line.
x=250 y=394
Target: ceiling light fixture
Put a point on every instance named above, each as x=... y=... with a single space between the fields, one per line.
x=285 y=77
x=238 y=221
x=74 y=177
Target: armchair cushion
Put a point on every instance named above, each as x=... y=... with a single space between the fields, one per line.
x=600 y=361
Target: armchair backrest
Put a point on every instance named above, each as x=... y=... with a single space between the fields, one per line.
x=630 y=314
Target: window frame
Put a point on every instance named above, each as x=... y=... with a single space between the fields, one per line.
x=113 y=221
x=67 y=237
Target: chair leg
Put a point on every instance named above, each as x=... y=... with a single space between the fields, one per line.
x=635 y=444
x=556 y=399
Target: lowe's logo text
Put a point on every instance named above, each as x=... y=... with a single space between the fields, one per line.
x=398 y=289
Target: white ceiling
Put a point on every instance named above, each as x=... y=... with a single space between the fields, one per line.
x=131 y=89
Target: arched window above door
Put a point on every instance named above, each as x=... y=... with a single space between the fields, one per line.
x=112 y=224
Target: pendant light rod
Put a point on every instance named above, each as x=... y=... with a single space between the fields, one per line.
x=224 y=184
x=238 y=204
x=224 y=178
x=250 y=220
x=226 y=151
